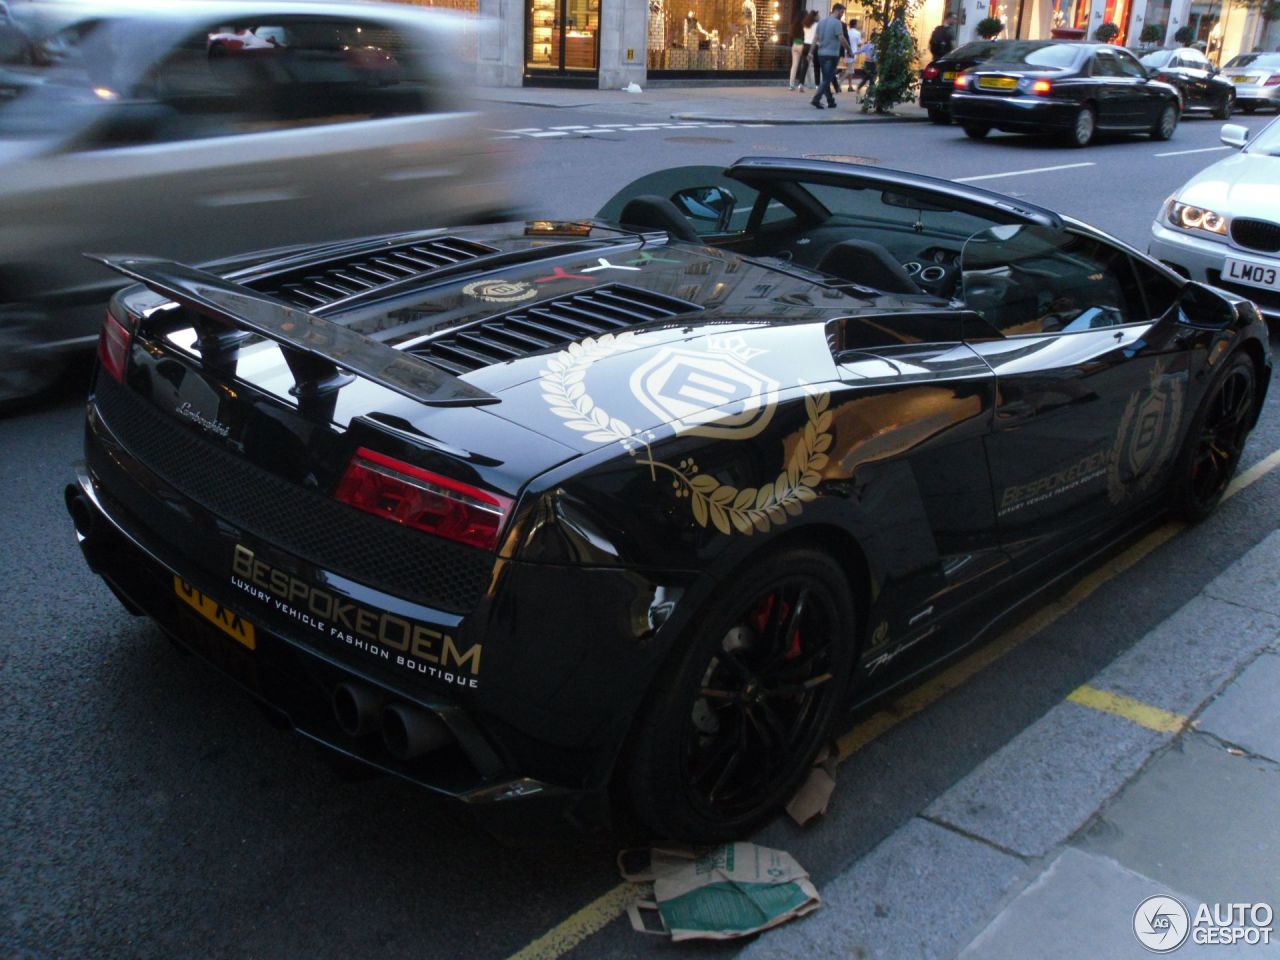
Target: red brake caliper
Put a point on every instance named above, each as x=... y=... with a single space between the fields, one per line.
x=759 y=620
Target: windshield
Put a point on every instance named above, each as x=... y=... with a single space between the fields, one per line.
x=1266 y=60
x=1054 y=56
x=1267 y=142
x=1157 y=59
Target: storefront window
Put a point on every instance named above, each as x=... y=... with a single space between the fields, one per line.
x=716 y=35
x=562 y=35
x=463 y=6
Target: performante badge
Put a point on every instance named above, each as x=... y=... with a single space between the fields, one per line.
x=499 y=291
x=1147 y=435
x=712 y=503
x=708 y=393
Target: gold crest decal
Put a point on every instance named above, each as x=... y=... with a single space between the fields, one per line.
x=708 y=393
x=499 y=291
x=1147 y=435
x=721 y=505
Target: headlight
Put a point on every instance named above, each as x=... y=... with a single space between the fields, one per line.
x=1197 y=218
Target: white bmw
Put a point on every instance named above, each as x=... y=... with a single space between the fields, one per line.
x=1222 y=226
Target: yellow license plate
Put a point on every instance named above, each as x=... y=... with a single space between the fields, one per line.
x=1240 y=79
x=997 y=83
x=232 y=624
x=949 y=75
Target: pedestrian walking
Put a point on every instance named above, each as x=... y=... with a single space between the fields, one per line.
x=868 y=52
x=854 y=36
x=829 y=43
x=802 y=49
x=943 y=40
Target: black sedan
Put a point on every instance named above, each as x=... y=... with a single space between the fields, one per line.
x=637 y=509
x=1197 y=80
x=938 y=80
x=1074 y=89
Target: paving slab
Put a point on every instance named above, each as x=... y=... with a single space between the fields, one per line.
x=1041 y=787
x=1200 y=820
x=1082 y=906
x=1248 y=712
x=914 y=897
x=1188 y=657
x=1254 y=579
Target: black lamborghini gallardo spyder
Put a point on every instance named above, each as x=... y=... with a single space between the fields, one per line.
x=642 y=506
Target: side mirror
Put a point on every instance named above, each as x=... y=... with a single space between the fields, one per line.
x=1203 y=306
x=713 y=205
x=1234 y=135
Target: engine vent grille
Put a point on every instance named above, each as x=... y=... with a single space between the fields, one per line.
x=547 y=325
x=319 y=285
x=1256 y=234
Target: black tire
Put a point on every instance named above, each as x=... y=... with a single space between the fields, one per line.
x=1248 y=107
x=975 y=131
x=940 y=117
x=1083 y=127
x=776 y=648
x=1223 y=109
x=1211 y=451
x=1166 y=123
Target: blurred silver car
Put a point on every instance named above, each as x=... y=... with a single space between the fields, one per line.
x=199 y=129
x=1257 y=80
x=1222 y=227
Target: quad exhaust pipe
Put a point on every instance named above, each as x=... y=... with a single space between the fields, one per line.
x=407 y=731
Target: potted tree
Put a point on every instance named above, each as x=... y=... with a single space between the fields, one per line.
x=1106 y=33
x=1151 y=34
x=990 y=28
x=1184 y=36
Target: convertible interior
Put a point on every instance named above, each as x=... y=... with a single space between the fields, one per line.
x=1022 y=278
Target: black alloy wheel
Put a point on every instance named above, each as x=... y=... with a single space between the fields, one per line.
x=1216 y=439
x=1167 y=123
x=1223 y=108
x=1082 y=127
x=732 y=732
x=975 y=131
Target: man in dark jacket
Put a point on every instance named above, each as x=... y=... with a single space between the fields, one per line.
x=942 y=40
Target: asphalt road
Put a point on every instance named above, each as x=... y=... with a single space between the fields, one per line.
x=147 y=810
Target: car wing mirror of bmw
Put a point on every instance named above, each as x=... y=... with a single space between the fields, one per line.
x=1202 y=306
x=1234 y=135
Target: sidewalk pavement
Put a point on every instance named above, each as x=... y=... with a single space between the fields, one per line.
x=767 y=103
x=1161 y=776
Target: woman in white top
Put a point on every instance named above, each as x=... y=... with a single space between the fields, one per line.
x=802 y=48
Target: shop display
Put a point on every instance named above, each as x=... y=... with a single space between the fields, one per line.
x=711 y=35
x=562 y=33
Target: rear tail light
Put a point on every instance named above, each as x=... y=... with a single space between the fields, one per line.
x=114 y=340
x=962 y=81
x=1163 y=78
x=1042 y=87
x=426 y=501
x=1272 y=80
x=931 y=72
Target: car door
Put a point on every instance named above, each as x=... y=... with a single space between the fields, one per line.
x=1089 y=399
x=1113 y=93
x=1147 y=100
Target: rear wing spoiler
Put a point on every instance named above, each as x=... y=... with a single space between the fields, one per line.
x=318 y=351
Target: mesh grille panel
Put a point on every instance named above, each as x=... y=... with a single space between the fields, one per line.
x=1256 y=234
x=332 y=536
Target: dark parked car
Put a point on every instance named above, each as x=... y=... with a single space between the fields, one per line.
x=1075 y=89
x=938 y=80
x=1199 y=85
x=639 y=507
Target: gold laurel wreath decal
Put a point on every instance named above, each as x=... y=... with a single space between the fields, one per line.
x=723 y=505
x=565 y=393
x=759 y=508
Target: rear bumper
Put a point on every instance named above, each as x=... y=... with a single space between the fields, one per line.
x=936 y=96
x=1027 y=114
x=568 y=652
x=1257 y=95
